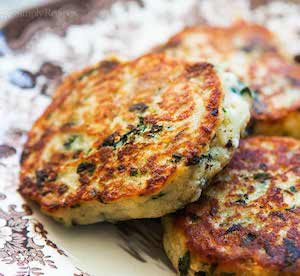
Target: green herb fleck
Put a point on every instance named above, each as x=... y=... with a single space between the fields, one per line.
x=246 y=91
x=293 y=189
x=176 y=157
x=262 y=176
x=70 y=141
x=291 y=208
x=224 y=110
x=156 y=128
x=133 y=172
x=184 y=264
x=195 y=160
x=241 y=201
x=138 y=130
x=122 y=140
x=235 y=90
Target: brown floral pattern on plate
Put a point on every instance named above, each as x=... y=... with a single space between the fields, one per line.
x=18 y=243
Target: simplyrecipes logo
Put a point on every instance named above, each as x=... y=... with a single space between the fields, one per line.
x=67 y=14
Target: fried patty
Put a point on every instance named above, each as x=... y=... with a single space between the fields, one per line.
x=248 y=221
x=134 y=140
x=253 y=53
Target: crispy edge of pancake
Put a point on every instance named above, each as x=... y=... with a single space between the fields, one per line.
x=198 y=250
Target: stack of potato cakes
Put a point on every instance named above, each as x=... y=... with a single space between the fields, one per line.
x=161 y=134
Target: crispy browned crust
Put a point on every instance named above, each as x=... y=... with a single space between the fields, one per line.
x=132 y=145
x=272 y=75
x=235 y=227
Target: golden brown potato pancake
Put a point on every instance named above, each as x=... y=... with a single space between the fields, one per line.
x=247 y=222
x=134 y=140
x=253 y=53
